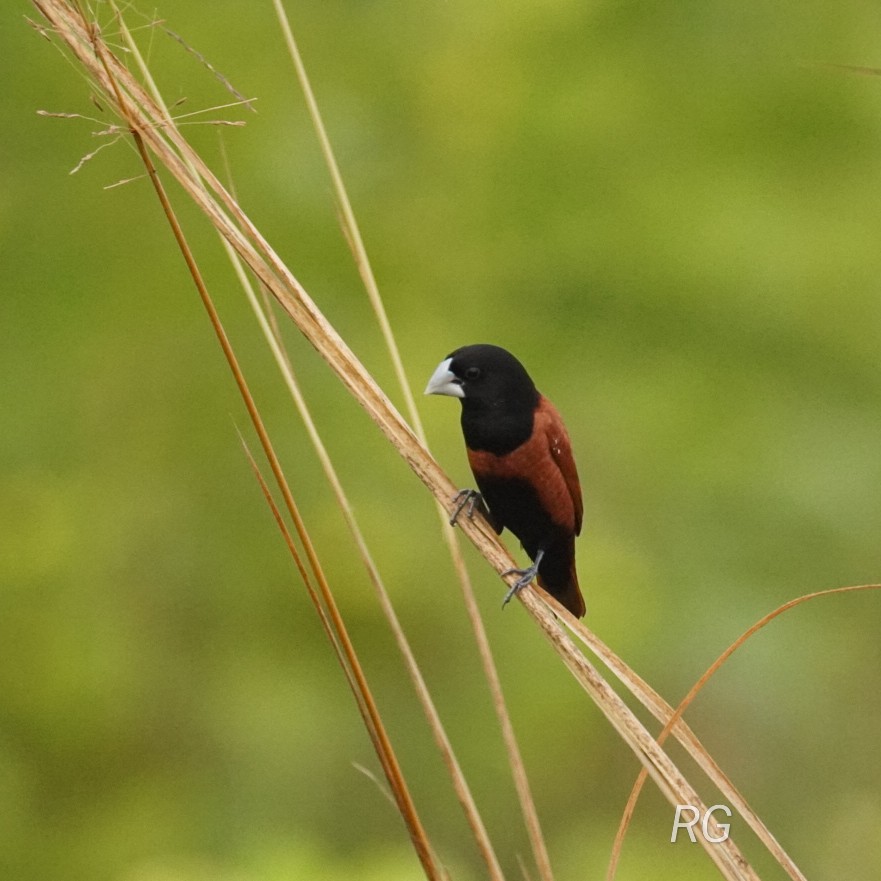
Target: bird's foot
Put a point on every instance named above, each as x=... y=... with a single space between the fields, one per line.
x=468 y=500
x=525 y=579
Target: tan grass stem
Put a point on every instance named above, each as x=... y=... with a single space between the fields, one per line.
x=732 y=794
x=170 y=148
x=271 y=332
x=365 y=269
x=460 y=784
x=375 y=727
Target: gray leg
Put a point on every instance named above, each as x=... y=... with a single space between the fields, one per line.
x=526 y=576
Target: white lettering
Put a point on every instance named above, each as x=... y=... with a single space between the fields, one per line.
x=724 y=827
x=677 y=824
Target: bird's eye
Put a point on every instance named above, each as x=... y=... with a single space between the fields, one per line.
x=472 y=373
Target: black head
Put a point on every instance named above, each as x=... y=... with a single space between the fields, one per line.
x=498 y=397
x=483 y=376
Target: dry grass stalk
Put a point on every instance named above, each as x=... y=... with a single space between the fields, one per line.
x=362 y=261
x=328 y=612
x=348 y=661
x=734 y=797
x=266 y=320
x=460 y=784
x=167 y=144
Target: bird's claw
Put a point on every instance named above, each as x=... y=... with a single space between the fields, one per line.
x=466 y=498
x=525 y=579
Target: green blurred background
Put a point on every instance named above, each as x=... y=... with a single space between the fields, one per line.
x=670 y=212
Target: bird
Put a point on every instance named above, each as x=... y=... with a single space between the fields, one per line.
x=521 y=457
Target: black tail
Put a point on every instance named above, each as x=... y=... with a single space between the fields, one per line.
x=557 y=575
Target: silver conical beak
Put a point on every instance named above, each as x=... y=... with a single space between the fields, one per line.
x=444 y=382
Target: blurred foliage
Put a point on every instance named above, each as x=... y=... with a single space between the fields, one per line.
x=670 y=212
